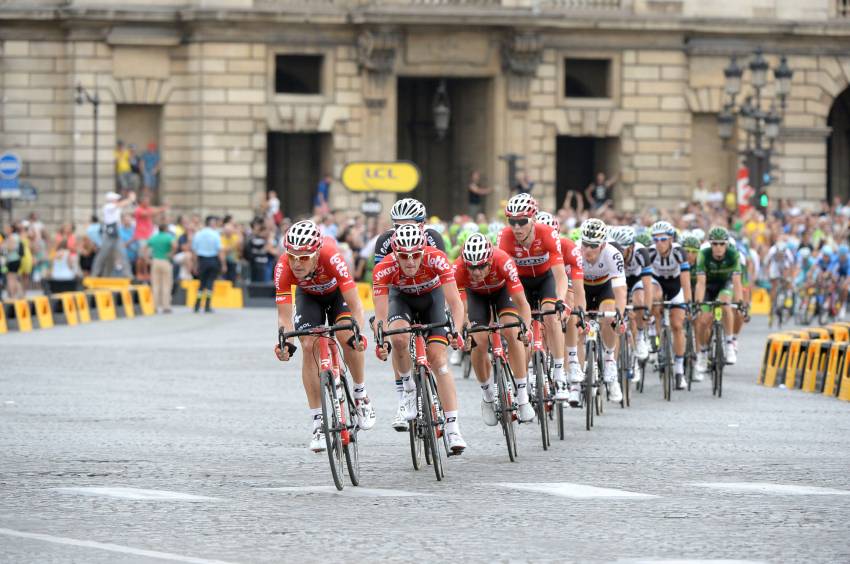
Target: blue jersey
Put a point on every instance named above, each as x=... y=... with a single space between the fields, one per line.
x=839 y=267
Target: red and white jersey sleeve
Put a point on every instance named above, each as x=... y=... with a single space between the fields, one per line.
x=434 y=271
x=573 y=263
x=331 y=274
x=502 y=271
x=536 y=259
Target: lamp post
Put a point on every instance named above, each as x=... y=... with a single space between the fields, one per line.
x=762 y=126
x=82 y=97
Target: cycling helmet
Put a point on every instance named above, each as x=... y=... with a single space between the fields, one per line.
x=470 y=227
x=521 y=205
x=593 y=231
x=495 y=227
x=408 y=209
x=826 y=251
x=804 y=253
x=477 y=250
x=303 y=236
x=408 y=238
x=547 y=219
x=644 y=239
x=843 y=249
x=690 y=243
x=718 y=234
x=662 y=228
x=625 y=235
x=575 y=234
x=699 y=234
x=781 y=246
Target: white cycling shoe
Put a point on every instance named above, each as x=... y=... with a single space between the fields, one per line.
x=399 y=423
x=317 y=443
x=575 y=395
x=642 y=348
x=609 y=372
x=456 y=443
x=562 y=393
x=408 y=402
x=575 y=373
x=731 y=354
x=488 y=412
x=365 y=413
x=681 y=382
x=525 y=412
x=615 y=394
x=702 y=363
x=456 y=357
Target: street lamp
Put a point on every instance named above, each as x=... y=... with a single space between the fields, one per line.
x=762 y=126
x=82 y=97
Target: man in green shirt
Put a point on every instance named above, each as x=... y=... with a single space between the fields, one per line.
x=718 y=279
x=162 y=273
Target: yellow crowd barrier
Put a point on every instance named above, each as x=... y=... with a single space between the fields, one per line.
x=69 y=308
x=145 y=296
x=22 y=315
x=105 y=304
x=814 y=360
x=82 y=303
x=224 y=295
x=43 y=312
x=92 y=283
x=4 y=327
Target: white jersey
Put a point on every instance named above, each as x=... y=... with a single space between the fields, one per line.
x=671 y=266
x=609 y=266
x=639 y=263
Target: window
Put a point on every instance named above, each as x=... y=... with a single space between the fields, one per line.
x=298 y=74
x=587 y=78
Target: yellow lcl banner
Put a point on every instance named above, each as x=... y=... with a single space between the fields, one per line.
x=400 y=176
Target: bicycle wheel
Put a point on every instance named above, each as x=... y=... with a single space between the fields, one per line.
x=667 y=368
x=623 y=368
x=641 y=366
x=331 y=427
x=540 y=389
x=602 y=388
x=429 y=421
x=690 y=353
x=466 y=365
x=415 y=444
x=589 y=384
x=350 y=446
x=506 y=406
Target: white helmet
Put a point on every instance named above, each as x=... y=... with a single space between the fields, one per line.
x=662 y=228
x=477 y=249
x=624 y=235
x=408 y=209
x=548 y=219
x=408 y=238
x=699 y=234
x=471 y=227
x=521 y=205
x=495 y=227
x=593 y=231
x=303 y=236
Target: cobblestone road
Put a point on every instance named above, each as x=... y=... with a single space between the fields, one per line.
x=182 y=439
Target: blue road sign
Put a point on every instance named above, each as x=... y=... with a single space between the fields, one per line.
x=10 y=171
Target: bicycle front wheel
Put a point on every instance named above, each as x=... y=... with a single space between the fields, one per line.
x=350 y=444
x=589 y=384
x=506 y=406
x=719 y=359
x=540 y=389
x=331 y=428
x=667 y=369
x=427 y=395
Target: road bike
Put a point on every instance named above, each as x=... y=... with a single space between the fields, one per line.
x=664 y=362
x=591 y=392
x=426 y=431
x=339 y=410
x=503 y=378
x=542 y=392
x=717 y=345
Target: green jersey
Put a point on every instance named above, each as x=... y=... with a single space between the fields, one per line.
x=718 y=271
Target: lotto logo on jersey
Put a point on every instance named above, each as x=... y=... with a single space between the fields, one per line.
x=439 y=262
x=510 y=268
x=341 y=268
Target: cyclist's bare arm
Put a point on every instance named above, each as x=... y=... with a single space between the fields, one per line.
x=561 y=284
x=700 y=289
x=455 y=303
x=685 y=277
x=284 y=317
x=737 y=288
x=522 y=306
x=578 y=289
x=352 y=298
x=381 y=309
x=621 y=294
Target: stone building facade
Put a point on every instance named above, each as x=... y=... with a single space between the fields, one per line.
x=202 y=78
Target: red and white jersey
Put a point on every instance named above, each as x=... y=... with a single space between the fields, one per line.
x=502 y=271
x=543 y=253
x=573 y=263
x=331 y=274
x=434 y=271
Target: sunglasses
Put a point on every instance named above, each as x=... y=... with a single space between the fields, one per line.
x=718 y=243
x=300 y=258
x=408 y=256
x=481 y=266
x=660 y=239
x=521 y=221
x=591 y=245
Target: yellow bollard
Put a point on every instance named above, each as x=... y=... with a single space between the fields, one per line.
x=4 y=328
x=775 y=357
x=127 y=303
x=22 y=315
x=835 y=368
x=43 y=312
x=105 y=304
x=816 y=364
x=145 y=299
x=69 y=308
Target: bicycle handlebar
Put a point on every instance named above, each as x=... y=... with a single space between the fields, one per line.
x=282 y=335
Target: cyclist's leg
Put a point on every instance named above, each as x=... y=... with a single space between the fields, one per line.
x=677 y=328
x=638 y=300
x=609 y=343
x=338 y=311
x=310 y=313
x=548 y=297
x=478 y=311
x=398 y=422
x=516 y=353
x=400 y=314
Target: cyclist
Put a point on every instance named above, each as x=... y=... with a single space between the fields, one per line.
x=536 y=250
x=841 y=272
x=638 y=270
x=606 y=290
x=407 y=211
x=672 y=271
x=573 y=266
x=417 y=280
x=325 y=292
x=488 y=277
x=780 y=264
x=718 y=273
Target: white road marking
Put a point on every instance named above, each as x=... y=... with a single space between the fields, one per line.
x=575 y=491
x=685 y=561
x=768 y=488
x=8 y=402
x=110 y=547
x=348 y=492
x=180 y=407
x=137 y=494
x=733 y=425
